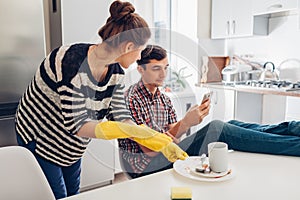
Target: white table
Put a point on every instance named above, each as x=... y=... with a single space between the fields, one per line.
x=258 y=176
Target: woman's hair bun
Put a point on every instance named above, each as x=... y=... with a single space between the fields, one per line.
x=124 y=25
x=119 y=10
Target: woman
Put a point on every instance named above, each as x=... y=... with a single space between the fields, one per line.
x=75 y=87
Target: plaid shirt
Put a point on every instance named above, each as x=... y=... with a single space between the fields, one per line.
x=156 y=111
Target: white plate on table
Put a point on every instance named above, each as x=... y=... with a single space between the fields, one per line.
x=187 y=167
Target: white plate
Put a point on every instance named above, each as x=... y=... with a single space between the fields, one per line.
x=186 y=168
x=211 y=174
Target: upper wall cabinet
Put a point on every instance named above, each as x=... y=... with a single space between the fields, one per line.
x=231 y=18
x=261 y=7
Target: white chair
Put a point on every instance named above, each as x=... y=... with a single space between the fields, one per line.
x=21 y=177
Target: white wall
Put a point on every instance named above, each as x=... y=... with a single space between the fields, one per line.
x=144 y=9
x=81 y=20
x=283 y=41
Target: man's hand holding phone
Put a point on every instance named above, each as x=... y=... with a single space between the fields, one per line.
x=196 y=113
x=204 y=107
x=206 y=97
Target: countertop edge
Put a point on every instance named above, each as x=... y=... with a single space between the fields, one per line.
x=220 y=85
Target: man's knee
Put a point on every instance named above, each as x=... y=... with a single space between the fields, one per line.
x=233 y=122
x=217 y=123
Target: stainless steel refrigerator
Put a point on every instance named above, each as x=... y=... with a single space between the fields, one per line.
x=24 y=40
x=21 y=49
x=30 y=29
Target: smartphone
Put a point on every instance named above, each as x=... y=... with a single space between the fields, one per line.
x=206 y=97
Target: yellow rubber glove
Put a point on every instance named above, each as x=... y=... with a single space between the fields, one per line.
x=140 y=133
x=143 y=135
x=111 y=130
x=173 y=152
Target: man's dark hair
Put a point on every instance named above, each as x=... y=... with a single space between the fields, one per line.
x=151 y=52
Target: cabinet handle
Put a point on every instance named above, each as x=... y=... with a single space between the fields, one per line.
x=233 y=26
x=228 y=28
x=215 y=97
x=275 y=6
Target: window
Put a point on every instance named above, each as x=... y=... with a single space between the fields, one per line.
x=175 y=24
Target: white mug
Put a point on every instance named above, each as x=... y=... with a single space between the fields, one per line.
x=218 y=156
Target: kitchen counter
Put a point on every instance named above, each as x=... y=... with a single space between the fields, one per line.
x=240 y=88
x=250 y=104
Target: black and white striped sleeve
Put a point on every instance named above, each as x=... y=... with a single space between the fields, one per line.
x=72 y=99
x=117 y=109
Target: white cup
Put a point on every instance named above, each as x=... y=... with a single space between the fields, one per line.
x=218 y=156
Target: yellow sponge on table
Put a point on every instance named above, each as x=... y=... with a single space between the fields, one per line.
x=181 y=193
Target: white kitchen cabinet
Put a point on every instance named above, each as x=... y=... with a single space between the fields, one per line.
x=222 y=105
x=118 y=167
x=98 y=164
x=256 y=107
x=292 y=108
x=259 y=108
x=231 y=18
x=248 y=107
x=261 y=7
x=274 y=109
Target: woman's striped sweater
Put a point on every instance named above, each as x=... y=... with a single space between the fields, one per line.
x=62 y=96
